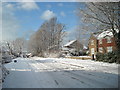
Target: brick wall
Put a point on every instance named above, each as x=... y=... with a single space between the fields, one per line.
x=105 y=44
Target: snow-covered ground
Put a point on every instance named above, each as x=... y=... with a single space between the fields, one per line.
x=39 y=72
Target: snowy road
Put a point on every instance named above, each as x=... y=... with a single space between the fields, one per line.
x=60 y=73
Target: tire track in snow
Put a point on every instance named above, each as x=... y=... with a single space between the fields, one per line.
x=52 y=67
x=98 y=76
x=62 y=82
x=94 y=83
x=56 y=82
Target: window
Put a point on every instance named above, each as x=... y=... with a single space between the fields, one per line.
x=109 y=49
x=100 y=41
x=108 y=40
x=92 y=42
x=92 y=50
x=100 y=49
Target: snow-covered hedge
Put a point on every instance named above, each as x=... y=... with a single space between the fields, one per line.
x=111 y=57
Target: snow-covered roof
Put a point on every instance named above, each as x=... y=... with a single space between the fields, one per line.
x=69 y=43
x=105 y=33
x=108 y=32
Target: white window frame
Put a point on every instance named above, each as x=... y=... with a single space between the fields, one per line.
x=109 y=49
x=109 y=40
x=100 y=49
x=92 y=42
x=100 y=41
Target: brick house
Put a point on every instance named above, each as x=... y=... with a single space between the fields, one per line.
x=102 y=42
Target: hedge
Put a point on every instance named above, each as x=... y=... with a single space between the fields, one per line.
x=111 y=57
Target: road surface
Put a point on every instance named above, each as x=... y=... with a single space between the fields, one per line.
x=60 y=73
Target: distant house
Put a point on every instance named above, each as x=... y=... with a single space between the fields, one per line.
x=72 y=47
x=102 y=42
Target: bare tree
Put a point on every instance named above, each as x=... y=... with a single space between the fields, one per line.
x=103 y=16
x=56 y=33
x=48 y=37
x=18 y=46
x=7 y=46
x=32 y=46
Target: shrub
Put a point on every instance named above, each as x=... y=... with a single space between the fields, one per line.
x=111 y=57
x=99 y=57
